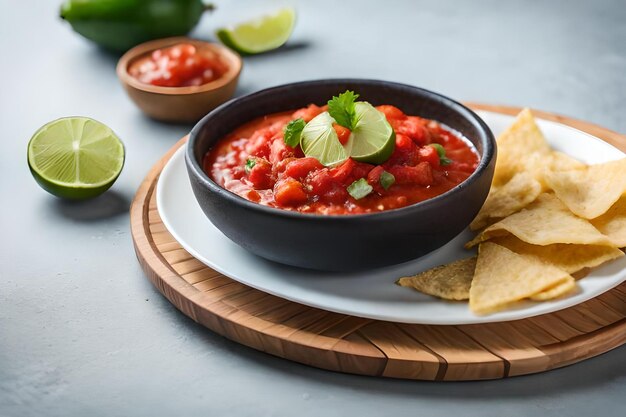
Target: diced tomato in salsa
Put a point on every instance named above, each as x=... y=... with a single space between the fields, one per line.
x=181 y=65
x=343 y=133
x=299 y=168
x=260 y=175
x=255 y=163
x=429 y=154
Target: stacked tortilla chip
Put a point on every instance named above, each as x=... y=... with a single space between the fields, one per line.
x=547 y=216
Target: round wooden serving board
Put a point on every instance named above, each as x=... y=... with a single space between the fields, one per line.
x=368 y=347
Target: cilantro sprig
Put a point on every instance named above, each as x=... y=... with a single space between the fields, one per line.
x=293 y=132
x=342 y=109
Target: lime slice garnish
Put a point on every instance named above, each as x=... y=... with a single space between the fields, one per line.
x=260 y=35
x=319 y=140
x=373 y=137
x=75 y=157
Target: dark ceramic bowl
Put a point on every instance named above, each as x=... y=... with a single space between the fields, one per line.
x=341 y=242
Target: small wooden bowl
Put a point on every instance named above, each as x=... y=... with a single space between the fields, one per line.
x=179 y=104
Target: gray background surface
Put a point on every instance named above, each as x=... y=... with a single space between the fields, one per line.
x=83 y=333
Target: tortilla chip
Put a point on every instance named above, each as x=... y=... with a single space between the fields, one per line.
x=562 y=162
x=558 y=290
x=518 y=149
x=544 y=222
x=502 y=201
x=613 y=223
x=503 y=277
x=590 y=192
x=557 y=161
x=450 y=282
x=569 y=258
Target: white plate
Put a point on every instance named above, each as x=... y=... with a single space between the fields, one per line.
x=371 y=294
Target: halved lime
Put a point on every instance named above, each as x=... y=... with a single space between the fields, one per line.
x=75 y=157
x=373 y=137
x=260 y=35
x=319 y=140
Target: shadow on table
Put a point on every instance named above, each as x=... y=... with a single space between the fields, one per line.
x=287 y=48
x=105 y=206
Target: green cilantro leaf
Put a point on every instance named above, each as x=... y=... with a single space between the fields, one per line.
x=250 y=163
x=386 y=180
x=341 y=108
x=359 y=189
x=443 y=159
x=293 y=132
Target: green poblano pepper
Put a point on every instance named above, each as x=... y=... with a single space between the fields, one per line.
x=118 y=25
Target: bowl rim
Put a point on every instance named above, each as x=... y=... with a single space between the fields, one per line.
x=489 y=153
x=235 y=64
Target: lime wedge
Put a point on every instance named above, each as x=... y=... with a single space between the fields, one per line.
x=260 y=35
x=319 y=140
x=75 y=157
x=373 y=137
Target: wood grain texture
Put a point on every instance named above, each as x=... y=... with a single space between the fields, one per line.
x=368 y=347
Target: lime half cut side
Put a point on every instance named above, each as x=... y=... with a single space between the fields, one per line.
x=320 y=141
x=260 y=35
x=75 y=157
x=373 y=137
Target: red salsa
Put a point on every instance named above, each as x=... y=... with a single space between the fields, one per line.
x=255 y=163
x=181 y=65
